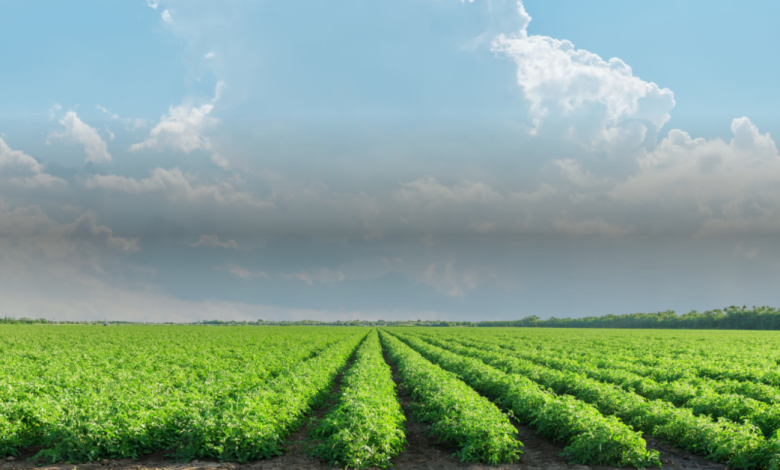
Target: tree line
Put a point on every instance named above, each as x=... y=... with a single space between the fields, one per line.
x=729 y=318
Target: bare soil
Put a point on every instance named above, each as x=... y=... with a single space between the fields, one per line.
x=423 y=452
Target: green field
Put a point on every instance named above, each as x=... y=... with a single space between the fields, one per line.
x=83 y=393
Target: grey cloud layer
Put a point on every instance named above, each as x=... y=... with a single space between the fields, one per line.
x=681 y=185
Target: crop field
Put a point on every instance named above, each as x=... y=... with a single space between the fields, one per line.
x=407 y=397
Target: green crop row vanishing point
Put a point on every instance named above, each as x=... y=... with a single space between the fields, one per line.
x=81 y=393
x=366 y=428
x=457 y=414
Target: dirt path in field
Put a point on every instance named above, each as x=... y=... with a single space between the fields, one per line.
x=422 y=452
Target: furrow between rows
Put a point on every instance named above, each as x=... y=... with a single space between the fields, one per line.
x=591 y=438
x=740 y=445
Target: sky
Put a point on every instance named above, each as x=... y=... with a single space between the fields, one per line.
x=171 y=160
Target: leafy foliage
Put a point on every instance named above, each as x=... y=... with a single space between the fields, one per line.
x=703 y=396
x=255 y=425
x=85 y=393
x=591 y=437
x=741 y=445
x=365 y=429
x=456 y=412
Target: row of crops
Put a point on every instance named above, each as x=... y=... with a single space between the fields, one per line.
x=85 y=393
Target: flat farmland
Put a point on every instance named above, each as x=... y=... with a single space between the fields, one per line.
x=409 y=397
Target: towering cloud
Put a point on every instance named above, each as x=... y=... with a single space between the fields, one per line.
x=577 y=92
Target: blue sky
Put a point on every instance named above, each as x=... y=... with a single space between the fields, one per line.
x=171 y=160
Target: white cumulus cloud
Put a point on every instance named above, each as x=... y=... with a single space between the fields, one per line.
x=21 y=168
x=728 y=186
x=430 y=192
x=575 y=174
x=31 y=231
x=184 y=128
x=579 y=91
x=177 y=186
x=77 y=131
